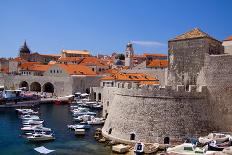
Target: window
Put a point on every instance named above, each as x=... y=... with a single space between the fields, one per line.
x=92 y=69
x=50 y=71
x=57 y=71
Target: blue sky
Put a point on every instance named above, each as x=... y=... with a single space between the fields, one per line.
x=105 y=26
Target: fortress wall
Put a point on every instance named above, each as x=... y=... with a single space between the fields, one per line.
x=217 y=75
x=153 y=115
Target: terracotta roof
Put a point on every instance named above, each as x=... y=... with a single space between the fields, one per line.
x=27 y=65
x=194 y=33
x=93 y=61
x=4 y=69
x=42 y=68
x=130 y=77
x=73 y=69
x=18 y=59
x=154 y=55
x=158 y=63
x=149 y=82
x=69 y=59
x=83 y=52
x=228 y=39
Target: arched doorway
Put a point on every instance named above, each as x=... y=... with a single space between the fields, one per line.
x=24 y=84
x=99 y=96
x=132 y=136
x=94 y=96
x=87 y=90
x=35 y=86
x=48 y=87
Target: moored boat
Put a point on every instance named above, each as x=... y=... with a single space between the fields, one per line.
x=41 y=137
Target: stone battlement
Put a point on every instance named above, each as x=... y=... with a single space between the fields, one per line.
x=135 y=89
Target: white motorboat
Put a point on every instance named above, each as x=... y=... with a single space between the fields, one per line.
x=30 y=127
x=35 y=128
x=84 y=113
x=41 y=137
x=26 y=111
x=83 y=118
x=30 y=117
x=96 y=121
x=77 y=126
x=218 y=137
x=33 y=122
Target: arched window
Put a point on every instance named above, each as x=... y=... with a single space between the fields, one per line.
x=132 y=136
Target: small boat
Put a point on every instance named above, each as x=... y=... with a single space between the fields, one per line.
x=30 y=117
x=218 y=137
x=96 y=121
x=35 y=128
x=79 y=132
x=83 y=118
x=214 y=146
x=30 y=127
x=185 y=149
x=32 y=122
x=77 y=126
x=41 y=137
x=84 y=113
x=139 y=148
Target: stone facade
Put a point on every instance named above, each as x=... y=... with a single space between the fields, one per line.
x=61 y=85
x=152 y=113
x=196 y=101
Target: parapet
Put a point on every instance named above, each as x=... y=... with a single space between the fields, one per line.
x=135 y=89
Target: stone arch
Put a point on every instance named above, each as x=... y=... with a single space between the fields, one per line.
x=87 y=90
x=48 y=87
x=24 y=84
x=35 y=86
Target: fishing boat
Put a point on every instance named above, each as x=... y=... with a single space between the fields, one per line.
x=41 y=137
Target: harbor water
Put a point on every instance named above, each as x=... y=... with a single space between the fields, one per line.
x=56 y=117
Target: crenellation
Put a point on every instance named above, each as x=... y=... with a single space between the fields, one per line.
x=192 y=88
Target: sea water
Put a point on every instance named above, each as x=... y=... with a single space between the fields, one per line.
x=56 y=117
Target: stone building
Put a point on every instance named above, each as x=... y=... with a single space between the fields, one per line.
x=195 y=101
x=58 y=79
x=75 y=53
x=227 y=43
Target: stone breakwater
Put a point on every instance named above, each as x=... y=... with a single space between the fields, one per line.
x=150 y=113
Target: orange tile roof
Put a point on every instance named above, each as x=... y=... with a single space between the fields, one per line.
x=18 y=59
x=149 y=82
x=69 y=59
x=228 y=39
x=27 y=65
x=158 y=63
x=130 y=77
x=74 y=69
x=4 y=69
x=156 y=55
x=42 y=68
x=92 y=61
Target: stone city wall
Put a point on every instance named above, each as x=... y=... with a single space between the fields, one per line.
x=152 y=113
x=217 y=75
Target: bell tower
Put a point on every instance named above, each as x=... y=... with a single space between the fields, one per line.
x=129 y=54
